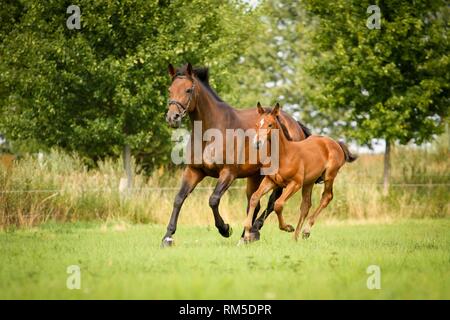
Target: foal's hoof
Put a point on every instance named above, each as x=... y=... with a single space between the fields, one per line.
x=227 y=232
x=252 y=237
x=167 y=242
x=306 y=234
x=288 y=228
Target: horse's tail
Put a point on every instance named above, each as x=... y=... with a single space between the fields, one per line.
x=349 y=157
x=305 y=130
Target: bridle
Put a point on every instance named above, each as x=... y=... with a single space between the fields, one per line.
x=181 y=108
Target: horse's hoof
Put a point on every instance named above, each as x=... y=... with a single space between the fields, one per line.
x=167 y=242
x=288 y=228
x=306 y=234
x=252 y=237
x=255 y=236
x=227 y=232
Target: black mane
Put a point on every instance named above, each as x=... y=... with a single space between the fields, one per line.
x=202 y=74
x=305 y=130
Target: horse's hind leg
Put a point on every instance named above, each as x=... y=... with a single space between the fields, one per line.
x=226 y=178
x=258 y=224
x=304 y=208
x=327 y=196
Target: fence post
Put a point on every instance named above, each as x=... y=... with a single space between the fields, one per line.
x=127 y=183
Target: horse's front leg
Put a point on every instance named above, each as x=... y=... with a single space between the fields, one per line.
x=259 y=222
x=266 y=185
x=226 y=178
x=191 y=177
x=252 y=185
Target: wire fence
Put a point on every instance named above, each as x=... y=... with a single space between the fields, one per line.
x=210 y=188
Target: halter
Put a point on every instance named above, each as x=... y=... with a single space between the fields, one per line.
x=181 y=108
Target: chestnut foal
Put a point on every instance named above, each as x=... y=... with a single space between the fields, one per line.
x=300 y=165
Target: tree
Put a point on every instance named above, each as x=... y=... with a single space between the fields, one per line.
x=103 y=87
x=390 y=83
x=342 y=78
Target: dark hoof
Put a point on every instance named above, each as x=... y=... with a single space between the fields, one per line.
x=254 y=236
x=305 y=235
x=167 y=242
x=288 y=228
x=227 y=232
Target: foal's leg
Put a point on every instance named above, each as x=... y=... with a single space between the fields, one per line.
x=288 y=191
x=327 y=196
x=225 y=180
x=258 y=224
x=304 y=208
x=265 y=186
x=252 y=185
x=191 y=177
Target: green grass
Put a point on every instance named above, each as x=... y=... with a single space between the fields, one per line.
x=125 y=262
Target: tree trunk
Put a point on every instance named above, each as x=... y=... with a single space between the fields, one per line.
x=387 y=168
x=127 y=165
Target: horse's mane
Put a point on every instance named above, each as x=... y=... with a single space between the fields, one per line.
x=284 y=128
x=282 y=125
x=202 y=74
x=305 y=130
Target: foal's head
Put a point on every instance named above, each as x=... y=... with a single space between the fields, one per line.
x=181 y=94
x=267 y=121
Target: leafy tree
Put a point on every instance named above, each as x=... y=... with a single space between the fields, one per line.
x=390 y=83
x=102 y=87
x=275 y=63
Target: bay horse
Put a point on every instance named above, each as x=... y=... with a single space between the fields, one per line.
x=190 y=94
x=301 y=163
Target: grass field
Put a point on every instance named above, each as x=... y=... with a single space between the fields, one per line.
x=119 y=260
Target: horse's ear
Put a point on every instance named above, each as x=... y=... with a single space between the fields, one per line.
x=276 y=110
x=260 y=108
x=171 y=70
x=189 y=69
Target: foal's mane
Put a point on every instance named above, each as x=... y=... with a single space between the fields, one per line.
x=305 y=130
x=280 y=123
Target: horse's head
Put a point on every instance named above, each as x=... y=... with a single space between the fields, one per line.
x=181 y=94
x=267 y=121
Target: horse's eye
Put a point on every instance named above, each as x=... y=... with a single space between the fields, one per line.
x=270 y=125
x=189 y=90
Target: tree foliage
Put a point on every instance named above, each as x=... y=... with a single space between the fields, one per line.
x=390 y=83
x=320 y=59
x=95 y=89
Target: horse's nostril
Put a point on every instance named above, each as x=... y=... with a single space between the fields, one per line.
x=176 y=116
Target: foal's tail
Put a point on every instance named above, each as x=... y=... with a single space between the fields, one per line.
x=349 y=157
